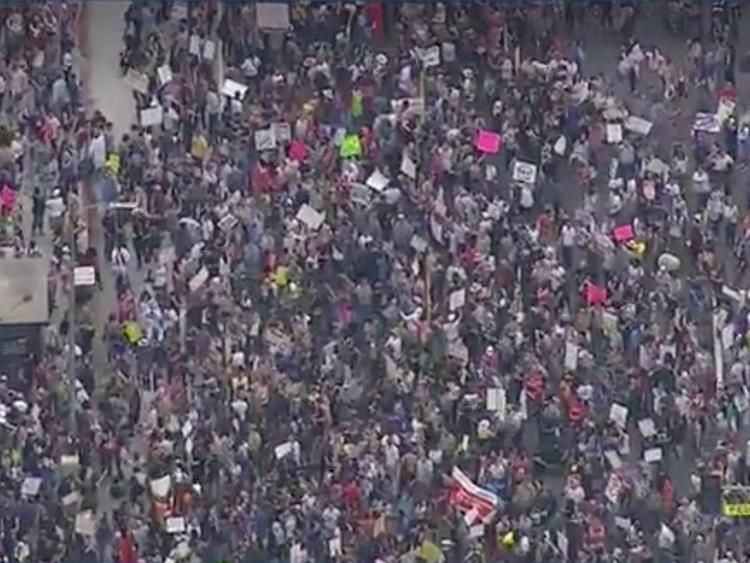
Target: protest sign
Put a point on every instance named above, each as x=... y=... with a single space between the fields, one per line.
x=638 y=125
x=152 y=116
x=136 y=81
x=524 y=172
x=487 y=142
x=272 y=16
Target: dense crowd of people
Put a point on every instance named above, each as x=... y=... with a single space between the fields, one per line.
x=394 y=283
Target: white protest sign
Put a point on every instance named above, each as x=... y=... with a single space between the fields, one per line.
x=228 y=222
x=282 y=131
x=72 y=498
x=638 y=125
x=30 y=486
x=614 y=488
x=165 y=74
x=265 y=139
x=310 y=217
x=571 y=356
x=457 y=299
x=195 y=45
x=727 y=337
x=560 y=145
x=476 y=531
x=175 y=525
x=283 y=450
x=408 y=167
x=707 y=123
x=430 y=57
x=377 y=181
x=209 y=50
x=71 y=461
x=449 y=52
x=84 y=276
x=497 y=401
x=524 y=172
x=232 y=88
x=418 y=243
x=136 y=81
x=614 y=133
x=86 y=523
x=647 y=427
x=160 y=487
x=198 y=280
x=652 y=455
x=619 y=415
x=272 y=15
x=614 y=459
x=725 y=110
x=152 y=116
x=179 y=11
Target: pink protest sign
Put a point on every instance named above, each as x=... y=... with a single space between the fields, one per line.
x=7 y=198
x=624 y=233
x=487 y=141
x=594 y=294
x=298 y=150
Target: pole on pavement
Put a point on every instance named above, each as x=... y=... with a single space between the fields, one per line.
x=72 y=324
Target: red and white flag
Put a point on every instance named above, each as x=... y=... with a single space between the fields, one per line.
x=477 y=503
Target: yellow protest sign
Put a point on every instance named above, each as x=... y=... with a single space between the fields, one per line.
x=132 y=332
x=351 y=146
x=735 y=502
x=113 y=163
x=357 y=108
x=429 y=552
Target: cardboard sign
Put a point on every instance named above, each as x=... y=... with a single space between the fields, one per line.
x=136 y=81
x=487 y=142
x=152 y=116
x=524 y=172
x=652 y=455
